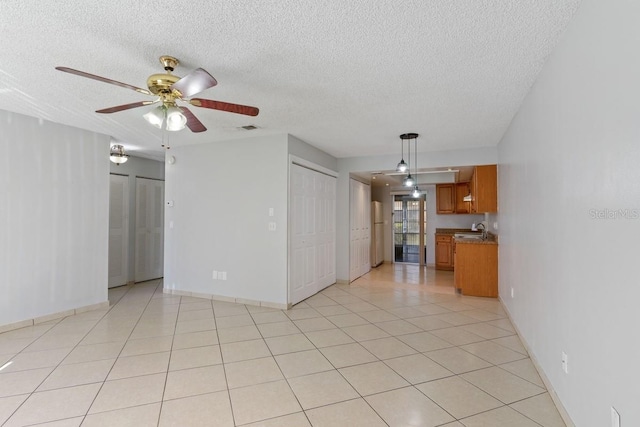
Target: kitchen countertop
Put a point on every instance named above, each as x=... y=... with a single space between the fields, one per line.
x=492 y=239
x=453 y=231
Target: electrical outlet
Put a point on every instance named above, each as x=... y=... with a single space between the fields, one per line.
x=271 y=211
x=615 y=418
x=215 y=275
x=565 y=362
x=512 y=292
x=272 y=226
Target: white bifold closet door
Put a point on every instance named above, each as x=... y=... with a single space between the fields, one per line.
x=312 y=232
x=360 y=234
x=118 y=229
x=149 y=259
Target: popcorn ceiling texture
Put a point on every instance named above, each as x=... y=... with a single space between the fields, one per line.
x=345 y=76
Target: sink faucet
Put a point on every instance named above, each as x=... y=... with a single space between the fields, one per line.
x=484 y=230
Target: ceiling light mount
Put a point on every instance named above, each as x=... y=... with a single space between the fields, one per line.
x=117 y=155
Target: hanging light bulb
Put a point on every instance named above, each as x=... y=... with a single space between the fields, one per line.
x=175 y=119
x=408 y=181
x=416 y=192
x=402 y=166
x=156 y=116
x=168 y=115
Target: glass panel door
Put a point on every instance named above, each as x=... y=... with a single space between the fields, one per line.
x=408 y=235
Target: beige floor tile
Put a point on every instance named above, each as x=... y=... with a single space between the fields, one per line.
x=238 y=333
x=195 y=339
x=501 y=417
x=457 y=360
x=417 y=368
x=328 y=338
x=302 y=363
x=191 y=382
x=456 y=306
x=21 y=382
x=129 y=392
x=185 y=316
x=78 y=374
x=430 y=309
x=195 y=357
x=289 y=344
x=253 y=309
x=408 y=407
x=524 y=369
x=314 y=324
x=344 y=320
x=332 y=310
x=88 y=353
x=398 y=327
x=244 y=350
x=456 y=319
x=9 y=404
x=373 y=378
x=195 y=326
x=144 y=364
x=294 y=420
x=52 y=341
x=279 y=329
x=321 y=389
x=146 y=346
x=453 y=424
x=353 y=413
x=345 y=355
x=138 y=416
x=36 y=360
x=487 y=331
x=483 y=315
x=13 y=346
x=153 y=330
x=429 y=323
x=458 y=336
x=492 y=352
x=458 y=397
x=406 y=312
x=502 y=385
x=540 y=409
x=360 y=307
x=377 y=316
x=269 y=317
x=54 y=405
x=320 y=300
x=235 y=321
x=210 y=410
x=346 y=299
x=67 y=422
x=503 y=324
x=252 y=372
x=302 y=313
x=386 y=348
x=512 y=342
x=223 y=309
x=365 y=332
x=424 y=341
x=203 y=304
x=263 y=401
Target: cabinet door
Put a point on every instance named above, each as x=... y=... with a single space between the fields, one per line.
x=445 y=198
x=444 y=253
x=462 y=190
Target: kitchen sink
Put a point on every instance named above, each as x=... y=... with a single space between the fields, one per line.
x=468 y=236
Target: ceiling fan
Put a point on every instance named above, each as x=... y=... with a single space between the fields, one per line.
x=169 y=89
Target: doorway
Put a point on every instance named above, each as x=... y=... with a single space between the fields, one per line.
x=409 y=229
x=149 y=248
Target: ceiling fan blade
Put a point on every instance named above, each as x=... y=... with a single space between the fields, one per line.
x=194 y=82
x=225 y=106
x=102 y=79
x=126 y=107
x=193 y=123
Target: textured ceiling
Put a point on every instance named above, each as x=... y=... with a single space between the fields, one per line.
x=345 y=76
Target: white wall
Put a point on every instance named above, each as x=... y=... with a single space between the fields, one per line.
x=54 y=187
x=478 y=156
x=136 y=167
x=222 y=193
x=571 y=152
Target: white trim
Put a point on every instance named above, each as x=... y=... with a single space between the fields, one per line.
x=310 y=165
x=53 y=316
x=225 y=299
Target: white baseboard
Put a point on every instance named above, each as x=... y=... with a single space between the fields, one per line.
x=53 y=316
x=226 y=299
x=554 y=396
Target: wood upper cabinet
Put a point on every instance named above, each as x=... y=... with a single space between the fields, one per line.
x=444 y=252
x=484 y=189
x=476 y=271
x=463 y=189
x=445 y=198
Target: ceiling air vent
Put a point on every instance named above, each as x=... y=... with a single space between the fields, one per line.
x=248 y=127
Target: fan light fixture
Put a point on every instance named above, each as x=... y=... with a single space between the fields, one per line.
x=168 y=115
x=116 y=154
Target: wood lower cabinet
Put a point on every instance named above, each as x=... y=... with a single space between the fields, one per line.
x=476 y=271
x=445 y=198
x=444 y=252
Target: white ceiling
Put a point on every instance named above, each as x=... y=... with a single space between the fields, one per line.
x=345 y=76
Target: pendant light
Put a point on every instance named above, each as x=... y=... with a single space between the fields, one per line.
x=408 y=181
x=402 y=166
x=116 y=154
x=416 y=191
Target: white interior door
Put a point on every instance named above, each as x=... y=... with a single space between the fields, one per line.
x=149 y=259
x=118 y=229
x=360 y=234
x=312 y=232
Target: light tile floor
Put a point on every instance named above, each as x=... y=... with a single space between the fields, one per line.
x=397 y=347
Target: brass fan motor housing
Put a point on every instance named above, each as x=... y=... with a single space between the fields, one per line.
x=160 y=84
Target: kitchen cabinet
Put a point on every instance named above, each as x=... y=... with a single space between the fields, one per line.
x=476 y=271
x=463 y=189
x=484 y=189
x=445 y=198
x=444 y=252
